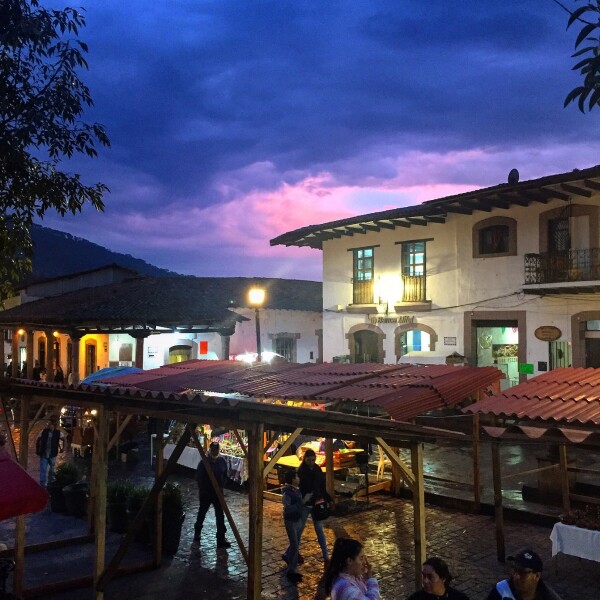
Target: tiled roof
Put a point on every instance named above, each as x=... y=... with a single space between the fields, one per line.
x=436 y=211
x=568 y=395
x=163 y=301
x=402 y=391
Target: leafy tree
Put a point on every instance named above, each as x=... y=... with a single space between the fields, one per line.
x=587 y=46
x=42 y=101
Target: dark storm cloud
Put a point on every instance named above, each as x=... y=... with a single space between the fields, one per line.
x=224 y=112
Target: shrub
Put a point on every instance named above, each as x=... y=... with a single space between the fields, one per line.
x=64 y=475
x=172 y=499
x=117 y=492
x=136 y=497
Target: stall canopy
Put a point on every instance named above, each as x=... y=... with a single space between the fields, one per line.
x=20 y=494
x=568 y=395
x=401 y=391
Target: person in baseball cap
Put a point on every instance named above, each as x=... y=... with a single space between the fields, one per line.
x=525 y=581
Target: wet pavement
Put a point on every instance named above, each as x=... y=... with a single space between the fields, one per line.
x=466 y=541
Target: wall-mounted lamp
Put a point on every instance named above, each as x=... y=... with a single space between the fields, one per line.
x=382 y=306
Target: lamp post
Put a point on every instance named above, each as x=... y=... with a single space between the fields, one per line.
x=256 y=297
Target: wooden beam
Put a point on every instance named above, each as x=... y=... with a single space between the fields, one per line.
x=217 y=489
x=400 y=223
x=110 y=571
x=100 y=473
x=40 y=411
x=573 y=189
x=436 y=219
x=281 y=452
x=552 y=193
x=240 y=441
x=498 y=510
x=408 y=475
x=19 y=572
x=461 y=209
x=418 y=497
x=255 y=502
x=476 y=462
x=416 y=221
x=329 y=484
x=159 y=465
x=370 y=227
x=119 y=431
x=564 y=477
x=594 y=185
x=385 y=224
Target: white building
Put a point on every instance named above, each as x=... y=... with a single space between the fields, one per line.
x=111 y=316
x=506 y=276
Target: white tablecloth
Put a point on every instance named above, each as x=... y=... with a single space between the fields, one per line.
x=575 y=541
x=237 y=466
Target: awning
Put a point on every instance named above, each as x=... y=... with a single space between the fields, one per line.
x=21 y=494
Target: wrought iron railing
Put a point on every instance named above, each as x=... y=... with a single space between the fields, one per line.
x=363 y=292
x=413 y=288
x=556 y=267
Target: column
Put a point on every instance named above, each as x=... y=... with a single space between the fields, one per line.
x=75 y=340
x=225 y=344
x=50 y=361
x=30 y=359
x=15 y=352
x=139 y=337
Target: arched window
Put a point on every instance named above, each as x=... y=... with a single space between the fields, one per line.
x=493 y=237
x=414 y=337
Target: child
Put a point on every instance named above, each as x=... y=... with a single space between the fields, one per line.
x=293 y=507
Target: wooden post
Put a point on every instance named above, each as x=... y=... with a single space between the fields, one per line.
x=30 y=351
x=418 y=496
x=100 y=476
x=255 y=501
x=19 y=573
x=329 y=485
x=564 y=477
x=397 y=479
x=476 y=464
x=15 y=367
x=498 y=511
x=158 y=469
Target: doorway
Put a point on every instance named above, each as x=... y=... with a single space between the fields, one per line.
x=498 y=346
x=365 y=347
x=592 y=352
x=179 y=354
x=560 y=355
x=90 y=358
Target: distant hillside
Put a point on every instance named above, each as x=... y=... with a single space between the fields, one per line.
x=57 y=253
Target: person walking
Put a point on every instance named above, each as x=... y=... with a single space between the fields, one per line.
x=436 y=579
x=349 y=575
x=525 y=581
x=312 y=488
x=208 y=496
x=48 y=444
x=293 y=511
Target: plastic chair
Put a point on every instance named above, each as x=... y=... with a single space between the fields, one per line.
x=384 y=462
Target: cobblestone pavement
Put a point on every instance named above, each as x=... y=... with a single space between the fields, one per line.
x=466 y=541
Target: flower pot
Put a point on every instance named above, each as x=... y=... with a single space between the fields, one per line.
x=57 y=498
x=116 y=515
x=171 y=532
x=76 y=498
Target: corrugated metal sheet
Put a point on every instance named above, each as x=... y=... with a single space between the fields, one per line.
x=403 y=391
x=568 y=395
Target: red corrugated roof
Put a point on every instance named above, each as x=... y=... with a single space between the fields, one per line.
x=570 y=395
x=403 y=391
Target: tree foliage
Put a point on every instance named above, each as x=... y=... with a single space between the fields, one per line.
x=42 y=100
x=587 y=46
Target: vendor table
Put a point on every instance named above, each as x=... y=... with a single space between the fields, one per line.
x=576 y=541
x=237 y=466
x=349 y=460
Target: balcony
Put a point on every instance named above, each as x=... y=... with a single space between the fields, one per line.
x=363 y=292
x=571 y=268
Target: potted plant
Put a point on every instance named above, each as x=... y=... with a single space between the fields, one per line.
x=64 y=475
x=117 y=493
x=173 y=516
x=135 y=499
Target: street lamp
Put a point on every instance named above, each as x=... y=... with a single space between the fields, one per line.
x=256 y=297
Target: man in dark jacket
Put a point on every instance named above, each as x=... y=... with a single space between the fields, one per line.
x=208 y=496
x=49 y=443
x=525 y=581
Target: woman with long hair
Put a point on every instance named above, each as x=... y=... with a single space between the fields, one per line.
x=349 y=575
x=312 y=488
x=436 y=579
